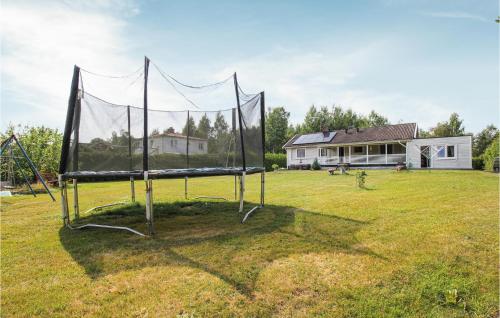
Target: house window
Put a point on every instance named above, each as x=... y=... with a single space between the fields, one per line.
x=201 y=146
x=389 y=149
x=446 y=152
x=301 y=153
x=173 y=143
x=323 y=152
x=358 y=149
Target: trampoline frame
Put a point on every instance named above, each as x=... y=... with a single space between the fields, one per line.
x=149 y=175
x=149 y=212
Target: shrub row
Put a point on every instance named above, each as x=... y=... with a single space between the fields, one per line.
x=274 y=158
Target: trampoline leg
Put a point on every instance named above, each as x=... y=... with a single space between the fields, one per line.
x=149 y=206
x=64 y=202
x=242 y=190
x=75 y=199
x=235 y=189
x=132 y=189
x=185 y=188
x=262 y=182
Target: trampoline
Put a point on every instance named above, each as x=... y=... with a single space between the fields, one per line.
x=105 y=141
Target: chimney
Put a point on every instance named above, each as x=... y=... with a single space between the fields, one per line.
x=326 y=132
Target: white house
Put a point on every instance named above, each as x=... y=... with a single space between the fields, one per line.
x=383 y=146
x=174 y=143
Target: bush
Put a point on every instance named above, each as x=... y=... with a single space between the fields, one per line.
x=316 y=165
x=274 y=158
x=478 y=163
x=361 y=179
x=275 y=167
x=43 y=146
x=490 y=154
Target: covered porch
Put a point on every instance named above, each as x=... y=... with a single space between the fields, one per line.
x=363 y=154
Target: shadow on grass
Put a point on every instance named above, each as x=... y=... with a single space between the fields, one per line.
x=209 y=236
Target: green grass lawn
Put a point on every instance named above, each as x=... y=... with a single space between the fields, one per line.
x=413 y=244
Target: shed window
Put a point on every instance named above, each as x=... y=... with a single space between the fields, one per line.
x=323 y=152
x=301 y=153
x=173 y=143
x=450 y=151
x=444 y=152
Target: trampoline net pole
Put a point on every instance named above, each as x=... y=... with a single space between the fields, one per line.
x=240 y=121
x=145 y=145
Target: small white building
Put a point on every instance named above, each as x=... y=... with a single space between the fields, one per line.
x=174 y=143
x=383 y=146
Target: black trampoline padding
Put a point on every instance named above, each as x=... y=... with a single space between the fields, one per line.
x=159 y=174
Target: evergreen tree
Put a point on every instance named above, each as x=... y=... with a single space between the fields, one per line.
x=192 y=127
x=203 y=129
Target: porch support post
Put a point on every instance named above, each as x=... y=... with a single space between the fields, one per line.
x=75 y=199
x=242 y=190
x=367 y=147
x=132 y=189
x=349 y=154
x=386 y=154
x=406 y=154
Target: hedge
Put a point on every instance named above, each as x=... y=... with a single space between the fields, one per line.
x=274 y=158
x=478 y=163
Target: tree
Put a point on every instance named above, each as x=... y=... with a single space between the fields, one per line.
x=220 y=125
x=219 y=137
x=203 y=129
x=375 y=120
x=451 y=128
x=456 y=127
x=191 y=125
x=311 y=121
x=42 y=144
x=169 y=130
x=276 y=129
x=422 y=133
x=483 y=139
x=155 y=132
x=491 y=153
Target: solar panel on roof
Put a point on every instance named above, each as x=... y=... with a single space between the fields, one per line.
x=315 y=138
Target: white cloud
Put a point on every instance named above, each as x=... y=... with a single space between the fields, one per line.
x=40 y=45
x=297 y=80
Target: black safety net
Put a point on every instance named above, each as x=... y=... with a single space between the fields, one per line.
x=215 y=126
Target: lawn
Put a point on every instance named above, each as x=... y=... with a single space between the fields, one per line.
x=412 y=244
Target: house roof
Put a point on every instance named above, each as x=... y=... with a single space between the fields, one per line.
x=370 y=134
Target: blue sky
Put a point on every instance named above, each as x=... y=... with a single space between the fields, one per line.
x=413 y=61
